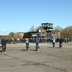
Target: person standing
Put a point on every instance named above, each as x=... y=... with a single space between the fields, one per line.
x=3 y=43
x=37 y=42
x=27 y=43
x=53 y=41
x=60 y=42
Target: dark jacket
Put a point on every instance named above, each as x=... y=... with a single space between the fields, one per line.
x=3 y=41
x=60 y=40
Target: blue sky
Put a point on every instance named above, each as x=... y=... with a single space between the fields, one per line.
x=21 y=15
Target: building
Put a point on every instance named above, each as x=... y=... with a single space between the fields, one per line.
x=46 y=31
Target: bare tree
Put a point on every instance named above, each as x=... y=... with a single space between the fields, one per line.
x=67 y=32
x=32 y=28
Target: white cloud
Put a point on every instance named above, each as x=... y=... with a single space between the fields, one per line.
x=3 y=32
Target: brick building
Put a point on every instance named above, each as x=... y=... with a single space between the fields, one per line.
x=46 y=31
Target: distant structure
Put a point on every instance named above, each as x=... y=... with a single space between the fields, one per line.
x=46 y=31
x=47 y=26
x=49 y=31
